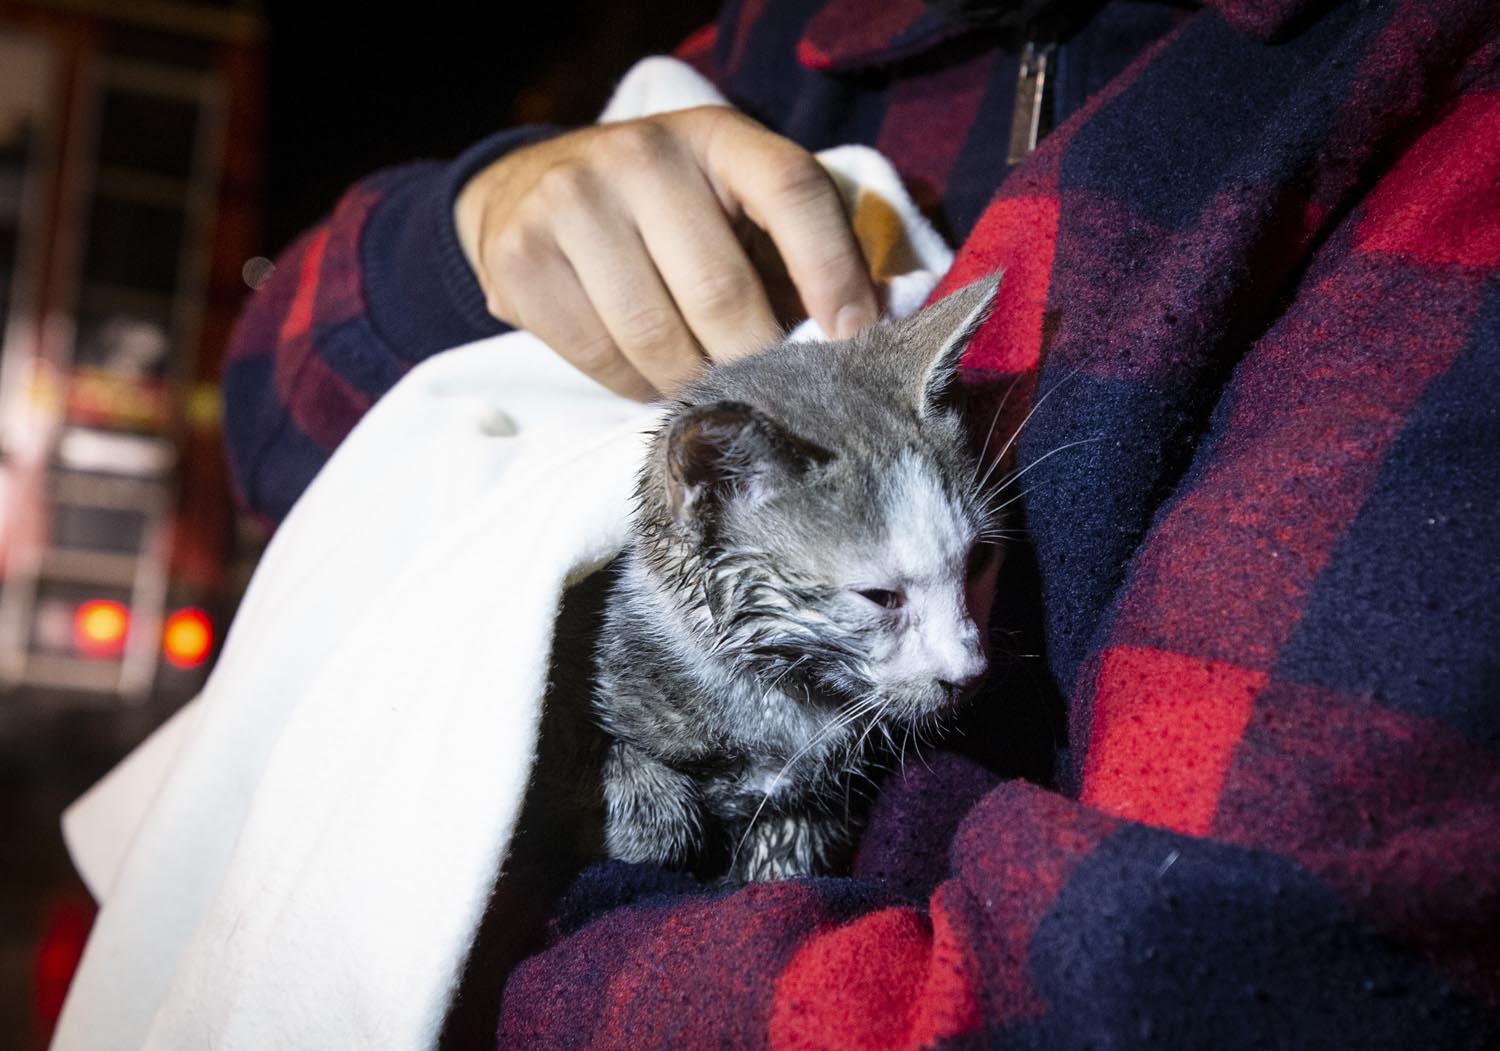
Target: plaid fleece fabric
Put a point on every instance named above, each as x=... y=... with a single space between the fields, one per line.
x=1251 y=313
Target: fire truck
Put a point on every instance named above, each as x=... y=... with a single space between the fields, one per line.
x=128 y=178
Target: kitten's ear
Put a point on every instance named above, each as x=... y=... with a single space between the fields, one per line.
x=938 y=336
x=728 y=446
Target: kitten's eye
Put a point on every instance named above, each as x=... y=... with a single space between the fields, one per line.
x=883 y=598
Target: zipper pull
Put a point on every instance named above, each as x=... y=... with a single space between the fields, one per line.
x=1031 y=89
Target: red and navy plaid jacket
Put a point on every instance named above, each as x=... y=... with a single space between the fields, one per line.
x=1256 y=276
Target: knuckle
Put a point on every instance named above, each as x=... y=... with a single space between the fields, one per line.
x=636 y=144
x=595 y=357
x=721 y=130
x=515 y=246
x=649 y=328
x=795 y=178
x=712 y=119
x=564 y=187
x=718 y=293
x=832 y=264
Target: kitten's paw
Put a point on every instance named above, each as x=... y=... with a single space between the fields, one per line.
x=785 y=846
x=652 y=813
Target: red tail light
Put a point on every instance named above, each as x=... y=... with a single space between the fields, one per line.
x=100 y=627
x=187 y=638
x=68 y=919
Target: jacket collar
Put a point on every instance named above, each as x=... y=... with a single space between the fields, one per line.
x=848 y=35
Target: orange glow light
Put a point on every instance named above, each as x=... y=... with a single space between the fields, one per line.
x=187 y=638
x=99 y=627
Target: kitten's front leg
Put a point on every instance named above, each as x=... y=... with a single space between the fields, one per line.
x=787 y=845
x=652 y=813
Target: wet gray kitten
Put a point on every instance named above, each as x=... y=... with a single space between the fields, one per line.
x=808 y=579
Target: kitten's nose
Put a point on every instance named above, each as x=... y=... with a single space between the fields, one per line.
x=956 y=656
x=966 y=685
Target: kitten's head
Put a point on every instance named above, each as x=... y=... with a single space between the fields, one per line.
x=813 y=511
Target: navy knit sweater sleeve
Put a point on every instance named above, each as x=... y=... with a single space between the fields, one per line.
x=380 y=284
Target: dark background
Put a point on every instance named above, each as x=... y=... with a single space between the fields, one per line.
x=351 y=89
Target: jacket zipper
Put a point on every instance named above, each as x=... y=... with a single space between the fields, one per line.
x=1027 y=124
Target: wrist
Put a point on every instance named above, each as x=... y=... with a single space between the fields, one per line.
x=471 y=172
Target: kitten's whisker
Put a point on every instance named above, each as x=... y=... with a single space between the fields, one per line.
x=921 y=741
x=990 y=433
x=925 y=763
x=1014 y=476
x=876 y=721
x=1039 y=403
x=1011 y=480
x=1019 y=496
x=1000 y=458
x=848 y=792
x=790 y=668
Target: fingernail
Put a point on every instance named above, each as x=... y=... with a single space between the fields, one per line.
x=851 y=319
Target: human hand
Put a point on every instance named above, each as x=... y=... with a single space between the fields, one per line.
x=616 y=245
